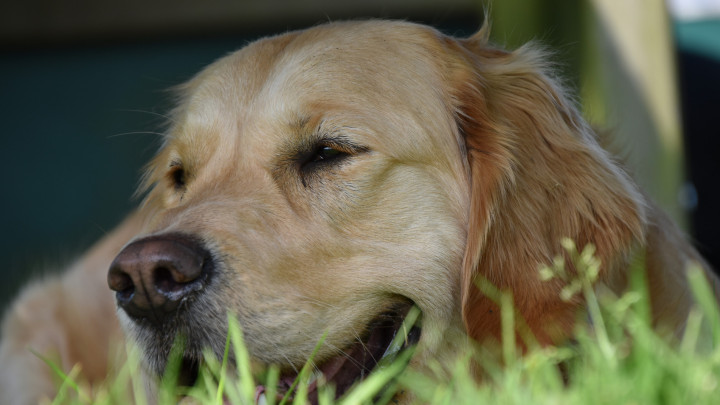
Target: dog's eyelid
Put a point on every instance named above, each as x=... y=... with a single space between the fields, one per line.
x=340 y=144
x=329 y=149
x=327 y=152
x=333 y=148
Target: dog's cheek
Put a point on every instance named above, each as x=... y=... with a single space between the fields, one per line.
x=414 y=251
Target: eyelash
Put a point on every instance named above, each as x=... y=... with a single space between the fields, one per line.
x=325 y=154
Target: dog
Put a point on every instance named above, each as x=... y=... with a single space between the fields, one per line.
x=325 y=181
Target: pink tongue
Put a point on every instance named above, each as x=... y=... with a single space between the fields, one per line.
x=332 y=367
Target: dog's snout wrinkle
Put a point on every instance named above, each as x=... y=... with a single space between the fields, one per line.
x=153 y=276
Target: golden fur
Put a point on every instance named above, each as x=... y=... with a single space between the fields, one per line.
x=463 y=162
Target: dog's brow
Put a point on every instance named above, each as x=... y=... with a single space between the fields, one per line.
x=301 y=122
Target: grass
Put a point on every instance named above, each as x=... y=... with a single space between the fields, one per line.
x=621 y=360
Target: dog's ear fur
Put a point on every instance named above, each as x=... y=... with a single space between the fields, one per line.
x=537 y=175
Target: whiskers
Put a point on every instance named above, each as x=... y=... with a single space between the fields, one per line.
x=166 y=121
x=165 y=117
x=334 y=349
x=159 y=134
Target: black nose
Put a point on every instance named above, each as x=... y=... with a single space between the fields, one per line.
x=152 y=276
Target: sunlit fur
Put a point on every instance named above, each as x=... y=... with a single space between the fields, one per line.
x=474 y=164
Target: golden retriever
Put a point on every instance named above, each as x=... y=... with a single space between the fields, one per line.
x=326 y=180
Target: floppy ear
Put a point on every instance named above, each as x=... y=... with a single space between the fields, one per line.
x=537 y=175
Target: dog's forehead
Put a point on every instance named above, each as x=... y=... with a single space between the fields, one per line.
x=278 y=81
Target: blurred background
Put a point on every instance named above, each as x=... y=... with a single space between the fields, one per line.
x=83 y=95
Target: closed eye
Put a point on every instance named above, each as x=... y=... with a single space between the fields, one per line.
x=328 y=153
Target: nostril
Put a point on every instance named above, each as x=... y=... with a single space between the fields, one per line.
x=165 y=282
x=125 y=294
x=122 y=284
x=174 y=284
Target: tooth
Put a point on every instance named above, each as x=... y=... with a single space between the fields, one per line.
x=315 y=376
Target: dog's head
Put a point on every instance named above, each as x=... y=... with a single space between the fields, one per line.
x=324 y=181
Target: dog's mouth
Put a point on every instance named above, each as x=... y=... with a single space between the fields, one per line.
x=388 y=335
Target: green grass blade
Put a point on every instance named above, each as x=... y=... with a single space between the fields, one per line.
x=67 y=380
x=271 y=383
x=373 y=385
x=242 y=359
x=706 y=300
x=223 y=372
x=507 y=322
x=138 y=384
x=303 y=375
